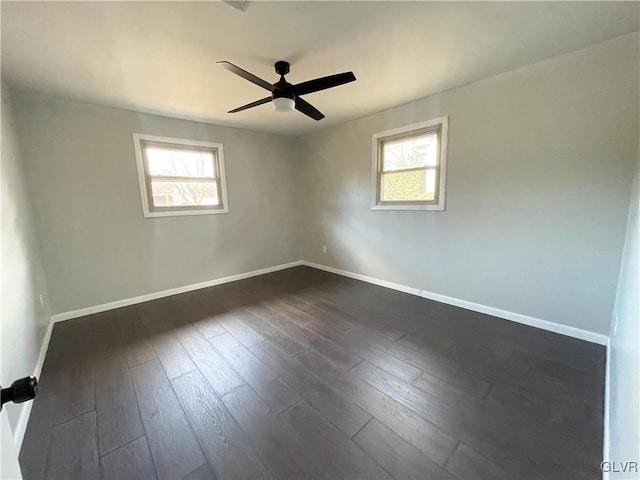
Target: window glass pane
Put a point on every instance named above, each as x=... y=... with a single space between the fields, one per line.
x=179 y=162
x=419 y=151
x=417 y=185
x=180 y=194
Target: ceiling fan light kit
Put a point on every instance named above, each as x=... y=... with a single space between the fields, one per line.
x=284 y=104
x=285 y=96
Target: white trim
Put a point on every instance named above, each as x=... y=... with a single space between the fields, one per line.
x=520 y=318
x=364 y=278
x=23 y=419
x=60 y=317
x=606 y=454
x=185 y=213
x=442 y=167
x=433 y=208
x=137 y=137
x=476 y=307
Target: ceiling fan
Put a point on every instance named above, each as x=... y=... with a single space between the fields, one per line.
x=284 y=95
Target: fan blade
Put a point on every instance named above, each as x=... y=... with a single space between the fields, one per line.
x=246 y=75
x=308 y=109
x=252 y=104
x=324 y=83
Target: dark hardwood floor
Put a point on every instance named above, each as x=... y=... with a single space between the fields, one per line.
x=305 y=374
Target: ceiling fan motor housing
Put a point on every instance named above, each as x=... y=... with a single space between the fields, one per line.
x=282 y=88
x=283 y=93
x=282 y=67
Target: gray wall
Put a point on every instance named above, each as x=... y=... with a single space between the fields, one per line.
x=541 y=162
x=97 y=247
x=23 y=322
x=540 y=167
x=624 y=354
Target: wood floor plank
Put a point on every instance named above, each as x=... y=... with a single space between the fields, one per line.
x=227 y=450
x=564 y=410
x=133 y=336
x=430 y=358
x=412 y=346
x=172 y=355
x=577 y=421
x=353 y=342
x=338 y=355
x=37 y=438
x=269 y=331
x=75 y=386
x=365 y=348
x=276 y=394
x=344 y=414
x=467 y=464
x=497 y=370
x=174 y=448
x=209 y=326
x=280 y=449
x=573 y=376
x=198 y=313
x=436 y=386
x=320 y=321
x=490 y=433
x=364 y=313
x=430 y=439
x=472 y=376
x=319 y=311
x=74 y=449
x=233 y=324
x=116 y=407
x=241 y=359
x=319 y=364
x=574 y=355
x=129 y=462
x=222 y=377
x=343 y=459
x=205 y=472
x=398 y=457
x=118 y=416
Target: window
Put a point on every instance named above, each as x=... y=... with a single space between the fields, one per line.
x=180 y=177
x=409 y=167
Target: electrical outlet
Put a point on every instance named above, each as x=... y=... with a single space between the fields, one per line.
x=324 y=249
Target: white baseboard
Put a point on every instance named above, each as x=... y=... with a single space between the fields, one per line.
x=23 y=419
x=579 y=333
x=365 y=278
x=476 y=307
x=520 y=318
x=60 y=317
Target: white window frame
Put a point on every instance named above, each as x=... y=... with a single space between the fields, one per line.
x=145 y=194
x=376 y=165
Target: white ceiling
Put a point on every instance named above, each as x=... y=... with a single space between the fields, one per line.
x=160 y=56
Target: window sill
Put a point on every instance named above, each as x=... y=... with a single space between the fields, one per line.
x=408 y=207
x=185 y=213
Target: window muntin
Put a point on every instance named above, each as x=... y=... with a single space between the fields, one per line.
x=180 y=177
x=408 y=167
